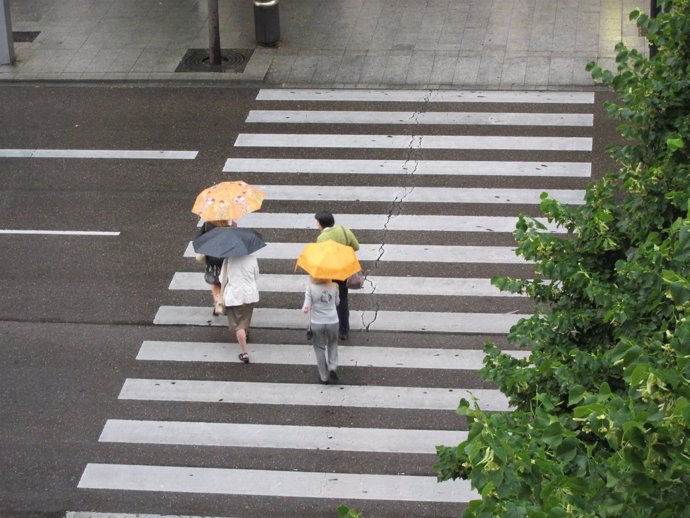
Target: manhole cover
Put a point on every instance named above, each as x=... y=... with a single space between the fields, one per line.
x=197 y=60
x=24 y=36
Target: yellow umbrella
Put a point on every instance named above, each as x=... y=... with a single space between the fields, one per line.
x=227 y=201
x=328 y=260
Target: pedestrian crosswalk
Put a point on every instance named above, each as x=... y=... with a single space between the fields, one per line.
x=434 y=209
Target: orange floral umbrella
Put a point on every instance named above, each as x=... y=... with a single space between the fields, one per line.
x=227 y=201
x=328 y=260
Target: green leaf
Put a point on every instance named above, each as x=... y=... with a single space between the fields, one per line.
x=675 y=143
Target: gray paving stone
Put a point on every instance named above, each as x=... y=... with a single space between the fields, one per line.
x=350 y=67
x=373 y=68
x=397 y=68
x=419 y=69
x=302 y=69
x=443 y=70
x=537 y=71
x=466 y=70
x=560 y=71
x=513 y=73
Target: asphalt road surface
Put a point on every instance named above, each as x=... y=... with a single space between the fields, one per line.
x=122 y=394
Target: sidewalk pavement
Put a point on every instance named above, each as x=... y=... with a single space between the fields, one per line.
x=502 y=44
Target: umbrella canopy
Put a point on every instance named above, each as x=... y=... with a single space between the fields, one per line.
x=328 y=260
x=227 y=201
x=228 y=242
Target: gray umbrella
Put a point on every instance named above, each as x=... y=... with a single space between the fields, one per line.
x=228 y=242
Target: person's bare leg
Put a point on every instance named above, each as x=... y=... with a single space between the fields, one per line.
x=242 y=340
x=217 y=300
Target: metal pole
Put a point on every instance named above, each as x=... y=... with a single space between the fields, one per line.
x=6 y=43
x=214 y=56
x=653 y=12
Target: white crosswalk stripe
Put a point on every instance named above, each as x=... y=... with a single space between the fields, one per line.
x=381 y=285
x=454 y=118
x=256 y=393
x=421 y=96
x=384 y=221
x=273 y=483
x=242 y=435
x=402 y=253
x=327 y=140
x=404 y=167
x=419 y=194
x=410 y=321
x=292 y=354
x=397 y=333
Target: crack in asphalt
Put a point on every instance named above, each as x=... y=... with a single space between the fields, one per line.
x=410 y=167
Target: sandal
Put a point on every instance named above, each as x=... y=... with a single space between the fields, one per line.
x=244 y=357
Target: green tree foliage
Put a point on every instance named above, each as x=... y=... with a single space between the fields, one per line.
x=602 y=404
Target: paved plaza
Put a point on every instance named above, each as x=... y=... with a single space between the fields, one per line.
x=506 y=44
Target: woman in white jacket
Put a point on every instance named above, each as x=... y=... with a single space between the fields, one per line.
x=240 y=292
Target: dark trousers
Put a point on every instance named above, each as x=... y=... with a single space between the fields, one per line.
x=343 y=310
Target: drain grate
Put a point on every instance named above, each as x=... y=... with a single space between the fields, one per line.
x=24 y=36
x=197 y=60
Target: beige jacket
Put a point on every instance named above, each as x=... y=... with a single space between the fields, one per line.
x=238 y=280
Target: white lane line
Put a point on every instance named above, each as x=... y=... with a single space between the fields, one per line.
x=437 y=96
x=98 y=153
x=443 y=118
x=313 y=394
x=59 y=232
x=402 y=253
x=419 y=194
x=416 y=167
x=325 y=140
x=331 y=486
x=412 y=321
x=413 y=222
x=90 y=514
x=242 y=435
x=293 y=354
x=296 y=283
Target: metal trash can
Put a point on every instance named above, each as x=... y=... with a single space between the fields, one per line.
x=266 y=22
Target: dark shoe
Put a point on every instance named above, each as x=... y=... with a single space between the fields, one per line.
x=327 y=382
x=334 y=376
x=244 y=357
x=344 y=336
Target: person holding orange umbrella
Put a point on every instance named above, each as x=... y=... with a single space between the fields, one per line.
x=325 y=261
x=223 y=204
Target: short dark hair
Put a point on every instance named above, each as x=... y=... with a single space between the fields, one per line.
x=325 y=218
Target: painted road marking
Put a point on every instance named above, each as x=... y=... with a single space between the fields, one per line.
x=326 y=140
x=412 y=321
x=402 y=253
x=293 y=354
x=296 y=283
x=413 y=222
x=89 y=514
x=423 y=96
x=419 y=194
x=99 y=153
x=59 y=232
x=441 y=118
x=411 y=167
x=242 y=435
x=312 y=394
x=332 y=486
